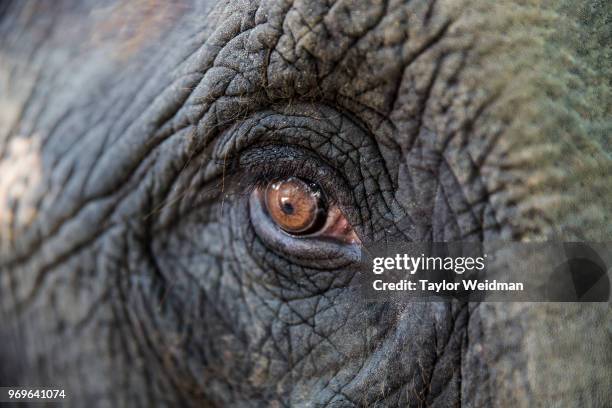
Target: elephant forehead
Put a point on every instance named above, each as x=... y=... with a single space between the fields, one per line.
x=365 y=56
x=348 y=52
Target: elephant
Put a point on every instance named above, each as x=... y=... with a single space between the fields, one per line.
x=185 y=185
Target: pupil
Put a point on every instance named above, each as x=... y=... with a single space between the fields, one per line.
x=288 y=208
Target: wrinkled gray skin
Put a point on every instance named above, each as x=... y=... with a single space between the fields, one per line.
x=132 y=272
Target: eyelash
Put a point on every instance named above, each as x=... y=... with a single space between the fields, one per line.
x=259 y=173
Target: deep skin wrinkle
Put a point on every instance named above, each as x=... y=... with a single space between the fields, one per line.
x=133 y=269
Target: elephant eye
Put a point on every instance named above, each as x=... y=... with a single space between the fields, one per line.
x=296 y=206
x=300 y=208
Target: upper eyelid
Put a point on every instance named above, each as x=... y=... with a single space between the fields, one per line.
x=306 y=126
x=298 y=162
x=320 y=133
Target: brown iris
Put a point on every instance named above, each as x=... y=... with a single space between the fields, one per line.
x=295 y=205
